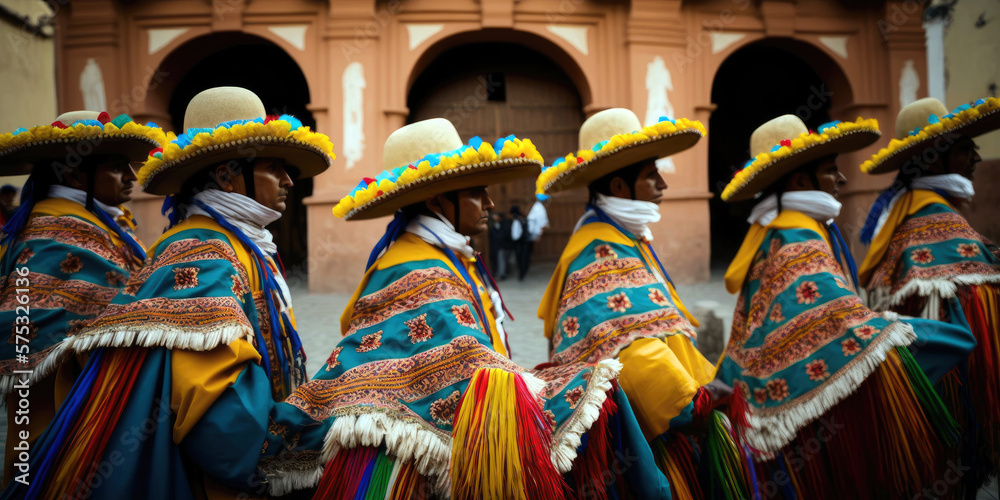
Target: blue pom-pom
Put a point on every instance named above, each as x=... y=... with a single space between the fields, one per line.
x=916 y=130
x=541 y=197
x=961 y=108
x=748 y=163
x=980 y=102
x=293 y=121
x=666 y=119
x=183 y=141
x=385 y=176
x=20 y=130
x=828 y=125
x=498 y=145
x=151 y=124
x=932 y=119
x=193 y=131
x=93 y=123
x=475 y=142
x=775 y=147
x=598 y=146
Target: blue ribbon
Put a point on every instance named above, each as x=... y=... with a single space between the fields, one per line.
x=840 y=248
x=881 y=205
x=392 y=232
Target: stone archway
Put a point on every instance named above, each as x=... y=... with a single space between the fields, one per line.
x=243 y=60
x=495 y=89
x=758 y=82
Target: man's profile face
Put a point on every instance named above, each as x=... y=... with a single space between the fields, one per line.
x=963 y=157
x=271 y=181
x=474 y=205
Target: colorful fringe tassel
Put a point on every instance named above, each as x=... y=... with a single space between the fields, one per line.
x=981 y=304
x=368 y=473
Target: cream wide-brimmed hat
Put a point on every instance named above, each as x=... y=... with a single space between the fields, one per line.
x=920 y=124
x=428 y=158
x=615 y=138
x=783 y=144
x=76 y=134
x=226 y=123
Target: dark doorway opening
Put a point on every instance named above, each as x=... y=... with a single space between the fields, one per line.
x=274 y=76
x=755 y=84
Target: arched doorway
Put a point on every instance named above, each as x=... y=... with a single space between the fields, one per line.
x=756 y=83
x=242 y=60
x=496 y=89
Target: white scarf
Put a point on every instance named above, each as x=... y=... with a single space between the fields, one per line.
x=632 y=215
x=819 y=205
x=71 y=194
x=430 y=229
x=241 y=211
x=955 y=185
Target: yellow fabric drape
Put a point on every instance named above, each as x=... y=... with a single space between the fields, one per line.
x=910 y=203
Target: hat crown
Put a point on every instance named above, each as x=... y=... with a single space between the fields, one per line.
x=416 y=140
x=915 y=115
x=222 y=104
x=71 y=117
x=773 y=131
x=605 y=124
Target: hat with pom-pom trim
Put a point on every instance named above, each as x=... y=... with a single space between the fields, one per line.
x=229 y=123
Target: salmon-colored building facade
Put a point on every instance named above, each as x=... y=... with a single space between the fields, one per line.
x=359 y=69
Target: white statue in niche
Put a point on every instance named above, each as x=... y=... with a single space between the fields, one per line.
x=657 y=103
x=92 y=87
x=354 y=102
x=909 y=83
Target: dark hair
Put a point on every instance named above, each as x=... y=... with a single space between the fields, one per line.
x=629 y=174
x=781 y=185
x=8 y=189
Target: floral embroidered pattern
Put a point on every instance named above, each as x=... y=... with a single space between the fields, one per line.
x=619 y=302
x=760 y=396
x=571 y=326
x=132 y=286
x=370 y=342
x=420 y=331
x=865 y=332
x=115 y=278
x=850 y=347
x=332 y=362
x=71 y=264
x=776 y=315
x=657 y=297
x=807 y=293
x=605 y=252
x=185 y=277
x=464 y=316
x=573 y=396
x=922 y=255
x=25 y=256
x=968 y=250
x=238 y=288
x=443 y=410
x=817 y=370
x=777 y=389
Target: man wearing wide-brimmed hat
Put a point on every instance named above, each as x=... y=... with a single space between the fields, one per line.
x=422 y=390
x=837 y=403
x=611 y=297
x=180 y=396
x=64 y=253
x=925 y=260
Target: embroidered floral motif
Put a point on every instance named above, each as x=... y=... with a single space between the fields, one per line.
x=865 y=332
x=777 y=389
x=332 y=362
x=132 y=286
x=817 y=370
x=571 y=326
x=922 y=255
x=115 y=278
x=850 y=347
x=605 y=252
x=968 y=250
x=619 y=302
x=776 y=315
x=573 y=396
x=420 y=331
x=25 y=256
x=807 y=293
x=760 y=396
x=657 y=297
x=443 y=410
x=185 y=277
x=464 y=316
x=370 y=342
x=71 y=264
x=238 y=288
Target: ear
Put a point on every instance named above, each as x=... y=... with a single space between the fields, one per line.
x=799 y=181
x=76 y=179
x=224 y=178
x=620 y=188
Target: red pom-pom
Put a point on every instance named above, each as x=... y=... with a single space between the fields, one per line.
x=787 y=142
x=811 y=131
x=104 y=117
x=155 y=150
x=368 y=180
x=522 y=155
x=411 y=166
x=269 y=118
x=579 y=160
x=58 y=124
x=379 y=193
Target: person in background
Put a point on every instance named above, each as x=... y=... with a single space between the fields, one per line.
x=498 y=257
x=521 y=240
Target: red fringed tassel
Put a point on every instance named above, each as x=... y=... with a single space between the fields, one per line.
x=590 y=465
x=981 y=304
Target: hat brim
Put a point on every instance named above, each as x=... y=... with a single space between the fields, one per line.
x=773 y=171
x=309 y=160
x=21 y=159
x=986 y=122
x=464 y=177
x=606 y=162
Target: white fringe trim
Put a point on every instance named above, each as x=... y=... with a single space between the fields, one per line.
x=587 y=412
x=284 y=482
x=943 y=288
x=770 y=433
x=161 y=336
x=48 y=366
